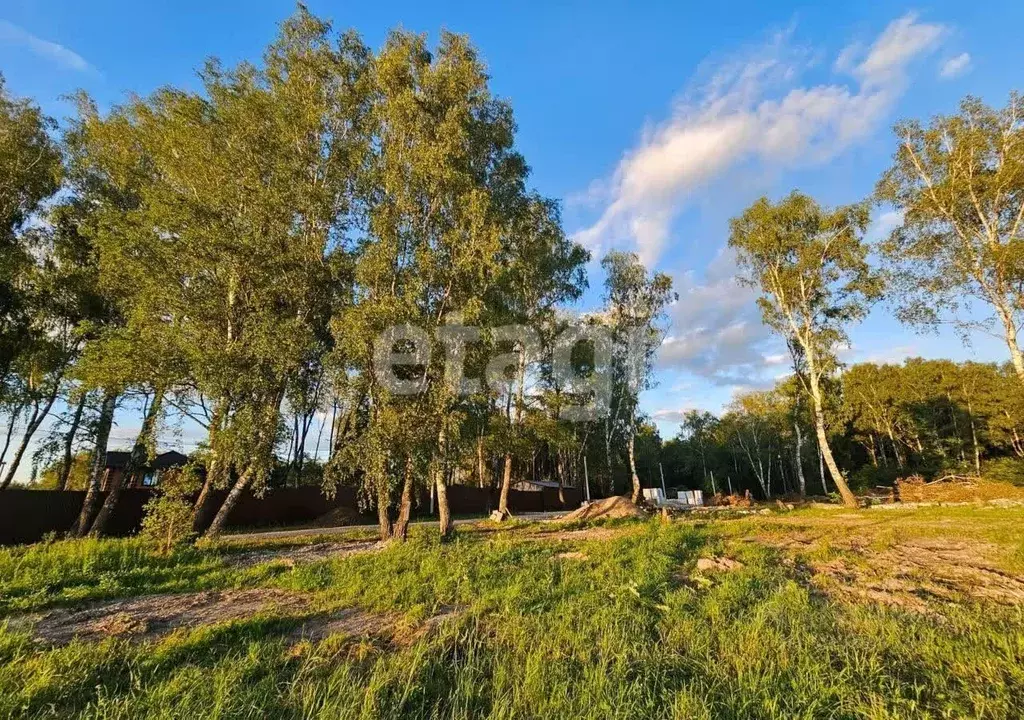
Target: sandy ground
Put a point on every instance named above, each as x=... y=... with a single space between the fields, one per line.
x=153 y=616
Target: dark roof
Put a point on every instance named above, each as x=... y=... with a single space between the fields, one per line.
x=119 y=458
x=169 y=459
x=116 y=458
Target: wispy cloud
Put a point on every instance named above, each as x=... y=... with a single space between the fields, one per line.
x=883 y=224
x=751 y=110
x=717 y=333
x=955 y=66
x=667 y=415
x=12 y=34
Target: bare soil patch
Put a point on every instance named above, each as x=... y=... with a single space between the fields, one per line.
x=339 y=517
x=914 y=574
x=613 y=507
x=591 y=533
x=723 y=500
x=718 y=564
x=152 y=616
x=303 y=553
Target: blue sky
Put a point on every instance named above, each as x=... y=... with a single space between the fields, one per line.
x=653 y=122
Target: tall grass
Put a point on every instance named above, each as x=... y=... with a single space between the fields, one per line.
x=72 y=571
x=630 y=630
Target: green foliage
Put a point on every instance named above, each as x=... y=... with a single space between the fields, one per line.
x=869 y=477
x=30 y=166
x=168 y=515
x=810 y=264
x=1004 y=469
x=959 y=183
x=49 y=476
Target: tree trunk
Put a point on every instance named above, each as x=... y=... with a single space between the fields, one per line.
x=401 y=529
x=895 y=446
x=1010 y=335
x=506 y=484
x=271 y=414
x=19 y=453
x=608 y=456
x=444 y=514
x=136 y=462
x=506 y=478
x=974 y=439
x=383 y=509
x=632 y=467
x=213 y=467
x=799 y=459
x=69 y=440
x=10 y=432
x=481 y=465
x=201 y=500
x=99 y=463
x=560 y=471
x=38 y=415
x=826 y=452
x=221 y=518
x=821 y=470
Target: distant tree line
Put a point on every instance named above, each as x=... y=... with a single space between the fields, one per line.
x=885 y=421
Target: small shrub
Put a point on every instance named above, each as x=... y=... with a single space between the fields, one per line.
x=869 y=477
x=168 y=518
x=1004 y=469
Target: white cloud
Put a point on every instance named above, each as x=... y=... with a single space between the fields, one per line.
x=883 y=225
x=902 y=41
x=717 y=333
x=60 y=55
x=735 y=119
x=670 y=416
x=955 y=66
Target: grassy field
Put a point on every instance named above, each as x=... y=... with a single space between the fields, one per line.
x=804 y=614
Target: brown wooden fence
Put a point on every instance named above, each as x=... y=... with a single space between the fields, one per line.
x=28 y=515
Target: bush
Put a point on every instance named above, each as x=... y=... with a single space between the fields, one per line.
x=1004 y=469
x=168 y=518
x=869 y=476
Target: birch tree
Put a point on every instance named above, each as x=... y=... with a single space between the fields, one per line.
x=810 y=265
x=238 y=200
x=959 y=184
x=636 y=302
x=30 y=172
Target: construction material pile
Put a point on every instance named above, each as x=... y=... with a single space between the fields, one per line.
x=721 y=500
x=613 y=507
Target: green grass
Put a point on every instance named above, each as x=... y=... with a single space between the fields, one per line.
x=628 y=631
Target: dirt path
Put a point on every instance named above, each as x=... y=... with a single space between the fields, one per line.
x=915 y=574
x=303 y=553
x=152 y=616
x=342 y=529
